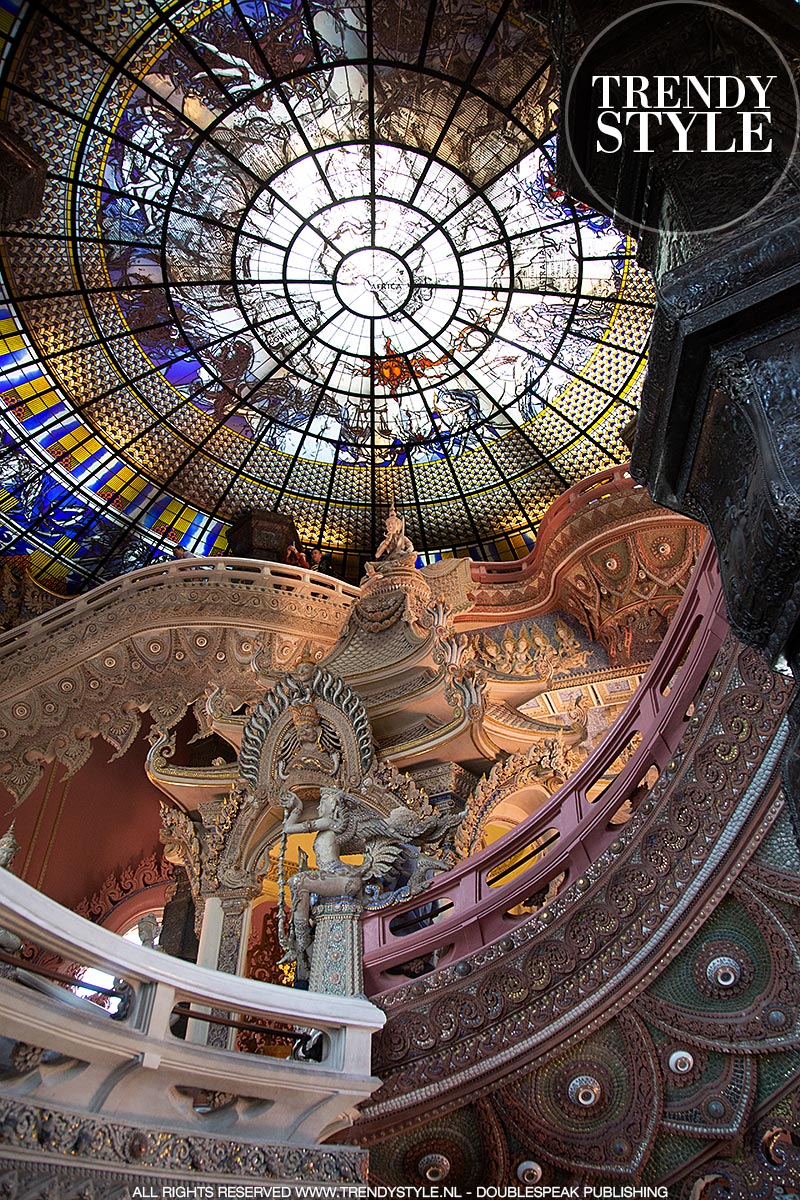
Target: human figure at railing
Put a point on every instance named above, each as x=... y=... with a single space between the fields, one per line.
x=295 y=556
x=319 y=561
x=181 y=554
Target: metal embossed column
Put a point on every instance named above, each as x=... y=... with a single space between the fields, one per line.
x=337 y=959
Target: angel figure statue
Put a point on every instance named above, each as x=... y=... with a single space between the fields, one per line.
x=392 y=849
x=332 y=877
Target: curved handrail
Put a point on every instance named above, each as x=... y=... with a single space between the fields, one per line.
x=146 y=1064
x=236 y=571
x=43 y=922
x=658 y=713
x=246 y=571
x=582 y=495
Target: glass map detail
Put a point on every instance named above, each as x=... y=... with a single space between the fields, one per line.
x=310 y=257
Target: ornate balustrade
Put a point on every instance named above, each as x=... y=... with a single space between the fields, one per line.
x=137 y=1071
x=188 y=573
x=151 y=641
x=475 y=905
x=616 y=481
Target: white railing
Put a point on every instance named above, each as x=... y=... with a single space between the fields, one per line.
x=234 y=572
x=305 y=1097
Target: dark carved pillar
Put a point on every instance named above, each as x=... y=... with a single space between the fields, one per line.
x=718 y=435
x=262 y=534
x=23 y=173
x=178 y=936
x=719 y=430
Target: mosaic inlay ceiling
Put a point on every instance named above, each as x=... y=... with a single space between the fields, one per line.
x=309 y=256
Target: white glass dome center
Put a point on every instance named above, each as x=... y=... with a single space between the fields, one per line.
x=372 y=282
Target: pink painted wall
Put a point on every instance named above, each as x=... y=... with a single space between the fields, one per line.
x=74 y=833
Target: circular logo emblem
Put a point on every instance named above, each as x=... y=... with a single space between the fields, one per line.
x=681 y=106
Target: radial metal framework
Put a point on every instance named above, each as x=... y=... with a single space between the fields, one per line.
x=304 y=256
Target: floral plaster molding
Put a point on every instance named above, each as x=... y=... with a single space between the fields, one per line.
x=151 y=641
x=36 y=1139
x=612 y=559
x=123 y=886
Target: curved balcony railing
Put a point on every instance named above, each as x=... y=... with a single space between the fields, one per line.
x=249 y=572
x=302 y=1099
x=236 y=572
x=582 y=495
x=472 y=904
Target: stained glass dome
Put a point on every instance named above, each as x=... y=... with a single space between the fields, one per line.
x=308 y=257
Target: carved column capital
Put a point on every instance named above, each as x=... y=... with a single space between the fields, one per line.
x=234 y=903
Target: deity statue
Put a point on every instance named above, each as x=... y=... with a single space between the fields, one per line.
x=148 y=927
x=332 y=877
x=8 y=847
x=9 y=942
x=309 y=754
x=396 y=544
x=392 y=849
